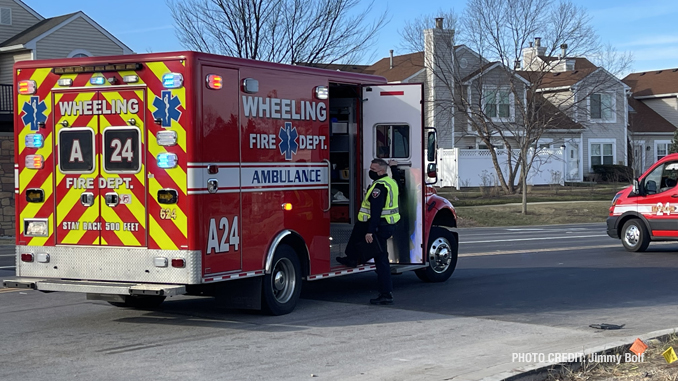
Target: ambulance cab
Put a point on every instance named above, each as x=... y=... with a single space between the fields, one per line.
x=648 y=210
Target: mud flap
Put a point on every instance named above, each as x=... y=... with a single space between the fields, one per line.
x=243 y=293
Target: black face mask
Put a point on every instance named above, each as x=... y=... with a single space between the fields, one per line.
x=374 y=175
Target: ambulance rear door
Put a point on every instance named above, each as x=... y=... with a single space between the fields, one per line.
x=392 y=128
x=100 y=167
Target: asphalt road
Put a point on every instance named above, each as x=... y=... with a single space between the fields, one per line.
x=515 y=290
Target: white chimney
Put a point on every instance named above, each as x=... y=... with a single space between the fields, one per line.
x=563 y=50
x=391 y=64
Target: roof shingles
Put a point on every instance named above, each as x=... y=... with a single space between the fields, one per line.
x=36 y=30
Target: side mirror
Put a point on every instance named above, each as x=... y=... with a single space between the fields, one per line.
x=431 y=146
x=636 y=188
x=432 y=171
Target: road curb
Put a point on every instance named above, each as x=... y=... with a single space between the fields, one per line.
x=539 y=371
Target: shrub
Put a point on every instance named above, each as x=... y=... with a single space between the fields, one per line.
x=614 y=173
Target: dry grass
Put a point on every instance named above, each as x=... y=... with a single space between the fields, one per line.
x=653 y=368
x=538 y=214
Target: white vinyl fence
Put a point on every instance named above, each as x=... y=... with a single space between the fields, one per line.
x=473 y=167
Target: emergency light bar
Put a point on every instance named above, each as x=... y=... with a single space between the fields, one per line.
x=96 y=68
x=214 y=82
x=322 y=92
x=97 y=81
x=34 y=161
x=27 y=87
x=172 y=80
x=166 y=160
x=34 y=141
x=166 y=138
x=130 y=79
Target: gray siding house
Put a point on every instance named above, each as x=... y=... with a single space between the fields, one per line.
x=26 y=35
x=588 y=103
x=653 y=115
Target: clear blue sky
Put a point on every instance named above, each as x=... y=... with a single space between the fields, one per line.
x=646 y=28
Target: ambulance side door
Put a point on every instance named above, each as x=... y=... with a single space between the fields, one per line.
x=219 y=197
x=392 y=129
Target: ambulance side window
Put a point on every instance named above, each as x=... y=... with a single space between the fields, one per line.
x=76 y=150
x=392 y=141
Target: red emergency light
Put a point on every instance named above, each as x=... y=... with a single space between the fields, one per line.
x=214 y=81
x=27 y=87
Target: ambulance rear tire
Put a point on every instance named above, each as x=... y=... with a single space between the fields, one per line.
x=282 y=287
x=141 y=302
x=442 y=252
x=634 y=235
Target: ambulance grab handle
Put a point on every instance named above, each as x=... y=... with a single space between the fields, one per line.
x=329 y=187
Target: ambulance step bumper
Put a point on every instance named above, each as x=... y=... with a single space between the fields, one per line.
x=95 y=287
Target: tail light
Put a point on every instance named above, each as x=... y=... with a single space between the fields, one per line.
x=178 y=263
x=27 y=257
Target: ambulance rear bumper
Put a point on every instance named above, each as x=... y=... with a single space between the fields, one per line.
x=95 y=287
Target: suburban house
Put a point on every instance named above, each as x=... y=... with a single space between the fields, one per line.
x=653 y=115
x=588 y=103
x=26 y=35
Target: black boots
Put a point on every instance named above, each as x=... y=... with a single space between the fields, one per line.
x=383 y=299
x=346 y=261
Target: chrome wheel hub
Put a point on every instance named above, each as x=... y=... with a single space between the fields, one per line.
x=440 y=255
x=632 y=235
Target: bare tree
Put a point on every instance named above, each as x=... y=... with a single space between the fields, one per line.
x=517 y=107
x=285 y=31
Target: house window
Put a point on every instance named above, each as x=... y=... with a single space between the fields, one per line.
x=77 y=53
x=5 y=16
x=497 y=103
x=602 y=107
x=602 y=153
x=661 y=148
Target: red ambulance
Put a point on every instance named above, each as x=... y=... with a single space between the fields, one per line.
x=145 y=176
x=648 y=210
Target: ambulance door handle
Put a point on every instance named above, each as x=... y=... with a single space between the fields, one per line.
x=329 y=185
x=87 y=199
x=674 y=195
x=212 y=185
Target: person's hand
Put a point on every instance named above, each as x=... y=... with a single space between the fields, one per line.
x=392 y=163
x=368 y=238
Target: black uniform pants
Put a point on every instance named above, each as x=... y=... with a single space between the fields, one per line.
x=357 y=249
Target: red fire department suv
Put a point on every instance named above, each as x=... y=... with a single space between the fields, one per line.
x=648 y=210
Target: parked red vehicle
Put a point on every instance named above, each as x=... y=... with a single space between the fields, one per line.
x=648 y=210
x=145 y=176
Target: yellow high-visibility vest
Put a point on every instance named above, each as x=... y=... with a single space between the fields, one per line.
x=390 y=211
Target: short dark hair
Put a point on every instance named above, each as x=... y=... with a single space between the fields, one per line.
x=381 y=162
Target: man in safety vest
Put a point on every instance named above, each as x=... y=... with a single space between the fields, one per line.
x=376 y=223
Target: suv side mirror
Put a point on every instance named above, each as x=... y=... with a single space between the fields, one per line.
x=636 y=187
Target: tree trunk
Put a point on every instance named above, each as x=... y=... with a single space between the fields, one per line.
x=523 y=171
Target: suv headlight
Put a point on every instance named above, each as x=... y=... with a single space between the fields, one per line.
x=615 y=198
x=36 y=228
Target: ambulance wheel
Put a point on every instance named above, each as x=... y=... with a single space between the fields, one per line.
x=142 y=302
x=442 y=256
x=634 y=235
x=282 y=287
